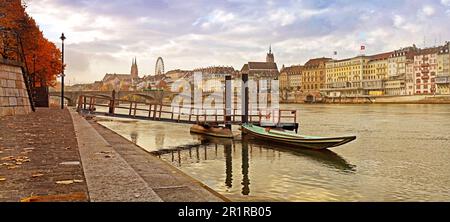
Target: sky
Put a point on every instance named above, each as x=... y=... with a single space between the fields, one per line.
x=104 y=35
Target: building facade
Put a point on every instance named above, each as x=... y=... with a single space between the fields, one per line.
x=283 y=80
x=293 y=78
x=313 y=78
x=400 y=75
x=213 y=78
x=425 y=69
x=375 y=74
x=343 y=77
x=443 y=73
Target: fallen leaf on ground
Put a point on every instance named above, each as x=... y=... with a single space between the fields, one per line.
x=37 y=175
x=65 y=182
x=2 y=179
x=78 y=181
x=7 y=158
x=64 y=197
x=28 y=149
x=12 y=167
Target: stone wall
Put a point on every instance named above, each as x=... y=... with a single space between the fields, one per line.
x=14 y=98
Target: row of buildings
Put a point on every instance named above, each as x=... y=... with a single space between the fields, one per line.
x=213 y=77
x=407 y=71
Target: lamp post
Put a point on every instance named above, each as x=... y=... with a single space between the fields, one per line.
x=62 y=74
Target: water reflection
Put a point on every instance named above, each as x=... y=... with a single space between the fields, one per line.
x=326 y=157
x=395 y=161
x=134 y=137
x=208 y=145
x=159 y=138
x=228 y=166
x=245 y=166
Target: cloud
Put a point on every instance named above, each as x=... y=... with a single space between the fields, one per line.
x=217 y=17
x=283 y=17
x=103 y=36
x=446 y=2
x=428 y=10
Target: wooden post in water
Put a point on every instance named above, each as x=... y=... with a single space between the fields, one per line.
x=112 y=102
x=245 y=98
x=228 y=101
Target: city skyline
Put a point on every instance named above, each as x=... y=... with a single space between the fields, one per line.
x=103 y=37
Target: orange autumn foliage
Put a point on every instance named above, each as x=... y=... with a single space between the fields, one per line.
x=42 y=56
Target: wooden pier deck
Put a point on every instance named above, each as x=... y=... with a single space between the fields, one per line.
x=280 y=118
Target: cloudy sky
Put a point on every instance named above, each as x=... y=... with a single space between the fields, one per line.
x=104 y=35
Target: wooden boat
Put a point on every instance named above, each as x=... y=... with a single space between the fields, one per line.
x=294 y=139
x=215 y=131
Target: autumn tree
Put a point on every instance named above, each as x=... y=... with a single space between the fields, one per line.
x=42 y=57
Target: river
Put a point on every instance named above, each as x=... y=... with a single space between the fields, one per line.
x=402 y=153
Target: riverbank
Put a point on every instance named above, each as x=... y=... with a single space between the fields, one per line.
x=416 y=99
x=57 y=155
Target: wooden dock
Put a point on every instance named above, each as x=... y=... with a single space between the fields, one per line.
x=275 y=118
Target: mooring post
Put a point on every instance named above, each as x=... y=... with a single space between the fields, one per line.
x=245 y=98
x=112 y=102
x=228 y=101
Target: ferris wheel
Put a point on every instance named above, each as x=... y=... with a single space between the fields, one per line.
x=159 y=67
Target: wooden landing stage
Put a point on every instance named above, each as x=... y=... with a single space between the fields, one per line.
x=275 y=118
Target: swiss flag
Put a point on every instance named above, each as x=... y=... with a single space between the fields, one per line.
x=363 y=47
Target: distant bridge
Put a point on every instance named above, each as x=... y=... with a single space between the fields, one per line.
x=72 y=96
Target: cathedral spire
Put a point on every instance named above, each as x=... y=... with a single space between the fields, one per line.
x=270 y=57
x=134 y=69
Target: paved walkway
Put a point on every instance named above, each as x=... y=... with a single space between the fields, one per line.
x=169 y=183
x=109 y=177
x=56 y=155
x=39 y=159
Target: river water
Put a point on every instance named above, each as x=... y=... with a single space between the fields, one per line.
x=402 y=153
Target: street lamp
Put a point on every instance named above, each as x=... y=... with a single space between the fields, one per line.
x=62 y=74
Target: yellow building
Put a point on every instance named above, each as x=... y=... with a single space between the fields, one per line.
x=358 y=76
x=443 y=72
x=343 y=77
x=375 y=74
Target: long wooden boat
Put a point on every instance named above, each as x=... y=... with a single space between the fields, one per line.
x=291 y=138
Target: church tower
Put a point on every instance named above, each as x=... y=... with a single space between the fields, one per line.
x=270 y=58
x=134 y=69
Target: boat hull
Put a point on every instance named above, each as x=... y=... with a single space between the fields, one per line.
x=310 y=143
x=212 y=131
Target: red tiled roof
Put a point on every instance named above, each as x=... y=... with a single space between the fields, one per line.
x=317 y=61
x=262 y=65
x=385 y=55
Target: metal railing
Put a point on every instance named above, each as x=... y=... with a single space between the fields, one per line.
x=11 y=52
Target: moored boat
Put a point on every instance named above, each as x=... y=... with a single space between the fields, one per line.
x=216 y=131
x=291 y=138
